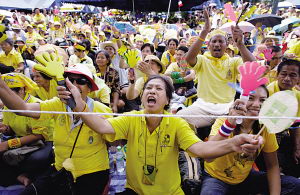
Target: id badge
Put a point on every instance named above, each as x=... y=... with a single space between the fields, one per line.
x=149 y=174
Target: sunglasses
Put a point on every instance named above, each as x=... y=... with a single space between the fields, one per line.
x=79 y=81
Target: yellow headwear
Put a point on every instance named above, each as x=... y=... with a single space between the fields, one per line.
x=214 y=33
x=14 y=80
x=79 y=46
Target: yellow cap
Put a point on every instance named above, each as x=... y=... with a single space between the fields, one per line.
x=216 y=32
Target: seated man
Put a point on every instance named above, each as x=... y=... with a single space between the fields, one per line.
x=183 y=77
x=214 y=69
x=288 y=76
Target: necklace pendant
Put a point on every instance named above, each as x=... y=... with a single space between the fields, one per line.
x=91 y=139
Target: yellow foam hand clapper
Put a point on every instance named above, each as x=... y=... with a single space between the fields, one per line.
x=51 y=65
x=3 y=35
x=122 y=50
x=132 y=57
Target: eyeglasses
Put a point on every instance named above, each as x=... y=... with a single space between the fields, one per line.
x=79 y=81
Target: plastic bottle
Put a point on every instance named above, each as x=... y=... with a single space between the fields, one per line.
x=120 y=160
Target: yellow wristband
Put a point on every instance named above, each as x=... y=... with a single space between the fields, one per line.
x=14 y=143
x=201 y=39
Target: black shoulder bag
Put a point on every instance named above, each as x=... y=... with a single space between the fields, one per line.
x=62 y=180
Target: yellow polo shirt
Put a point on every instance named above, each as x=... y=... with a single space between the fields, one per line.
x=90 y=153
x=23 y=125
x=232 y=168
x=31 y=38
x=164 y=143
x=165 y=60
x=273 y=88
x=13 y=58
x=46 y=95
x=213 y=75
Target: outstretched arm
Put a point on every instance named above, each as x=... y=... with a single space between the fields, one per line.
x=239 y=143
x=191 y=56
x=14 y=102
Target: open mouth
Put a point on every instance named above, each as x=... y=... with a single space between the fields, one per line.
x=217 y=50
x=151 y=100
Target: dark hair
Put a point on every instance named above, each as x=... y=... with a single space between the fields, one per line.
x=106 y=55
x=183 y=48
x=182 y=38
x=256 y=126
x=275 y=49
x=288 y=62
x=175 y=40
x=45 y=76
x=87 y=43
x=16 y=89
x=168 y=86
x=148 y=45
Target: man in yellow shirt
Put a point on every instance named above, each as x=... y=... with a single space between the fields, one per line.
x=38 y=17
x=9 y=57
x=214 y=70
x=288 y=77
x=273 y=63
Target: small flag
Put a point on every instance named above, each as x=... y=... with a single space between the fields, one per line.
x=180 y=4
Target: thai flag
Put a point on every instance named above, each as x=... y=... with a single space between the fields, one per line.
x=180 y=4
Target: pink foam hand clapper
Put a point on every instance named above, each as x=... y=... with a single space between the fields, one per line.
x=251 y=73
x=230 y=12
x=268 y=54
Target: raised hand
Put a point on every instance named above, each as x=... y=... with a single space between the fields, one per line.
x=268 y=53
x=132 y=57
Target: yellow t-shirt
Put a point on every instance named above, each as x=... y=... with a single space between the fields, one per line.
x=213 y=75
x=103 y=93
x=233 y=168
x=90 y=153
x=273 y=88
x=39 y=17
x=173 y=67
x=46 y=95
x=167 y=58
x=164 y=143
x=23 y=125
x=31 y=38
x=13 y=58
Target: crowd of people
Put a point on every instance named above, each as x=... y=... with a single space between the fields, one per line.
x=149 y=69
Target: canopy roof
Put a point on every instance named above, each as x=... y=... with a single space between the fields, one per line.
x=140 y=5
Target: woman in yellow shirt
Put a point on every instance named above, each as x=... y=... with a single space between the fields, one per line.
x=168 y=56
x=154 y=142
x=233 y=173
x=46 y=86
x=89 y=163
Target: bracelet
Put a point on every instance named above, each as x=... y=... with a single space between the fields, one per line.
x=131 y=81
x=175 y=75
x=226 y=129
x=14 y=143
x=200 y=39
x=85 y=108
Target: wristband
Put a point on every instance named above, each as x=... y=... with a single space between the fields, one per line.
x=175 y=75
x=14 y=143
x=85 y=108
x=131 y=81
x=226 y=129
x=179 y=80
x=200 y=39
